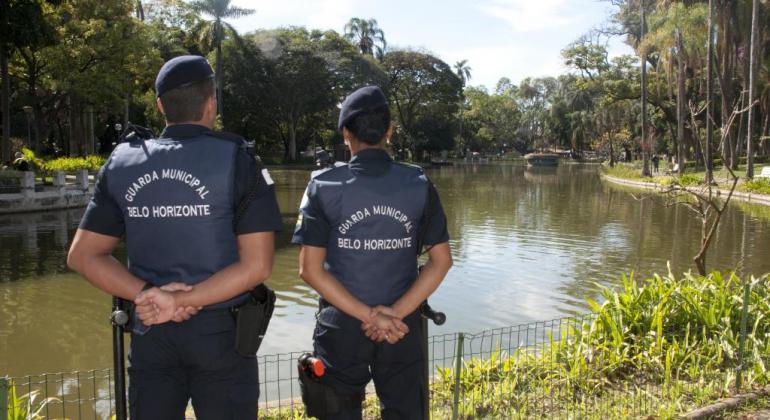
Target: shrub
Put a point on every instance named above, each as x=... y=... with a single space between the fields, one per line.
x=625 y=170
x=690 y=180
x=70 y=164
x=27 y=406
x=759 y=186
x=670 y=342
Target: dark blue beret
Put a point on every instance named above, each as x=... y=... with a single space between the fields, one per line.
x=182 y=71
x=366 y=99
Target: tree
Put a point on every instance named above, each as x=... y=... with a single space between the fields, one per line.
x=22 y=24
x=367 y=34
x=676 y=34
x=98 y=57
x=300 y=89
x=213 y=32
x=463 y=71
x=281 y=86
x=535 y=97
x=424 y=93
x=492 y=121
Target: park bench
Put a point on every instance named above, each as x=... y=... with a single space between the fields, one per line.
x=765 y=173
x=673 y=170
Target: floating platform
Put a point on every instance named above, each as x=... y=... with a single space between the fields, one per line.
x=542 y=159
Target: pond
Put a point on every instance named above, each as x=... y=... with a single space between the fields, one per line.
x=528 y=244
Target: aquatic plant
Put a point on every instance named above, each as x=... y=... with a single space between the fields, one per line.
x=27 y=406
x=667 y=343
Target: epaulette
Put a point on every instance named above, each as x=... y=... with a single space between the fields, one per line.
x=319 y=172
x=231 y=137
x=417 y=168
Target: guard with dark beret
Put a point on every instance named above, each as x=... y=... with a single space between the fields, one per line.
x=182 y=71
x=199 y=216
x=361 y=227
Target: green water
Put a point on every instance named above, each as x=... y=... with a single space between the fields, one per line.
x=528 y=244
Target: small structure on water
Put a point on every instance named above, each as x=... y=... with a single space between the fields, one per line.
x=542 y=159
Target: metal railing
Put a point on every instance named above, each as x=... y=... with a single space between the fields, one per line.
x=513 y=372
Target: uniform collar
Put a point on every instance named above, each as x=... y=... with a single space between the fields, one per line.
x=178 y=131
x=371 y=155
x=373 y=162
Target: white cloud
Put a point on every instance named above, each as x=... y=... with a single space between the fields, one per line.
x=516 y=61
x=531 y=15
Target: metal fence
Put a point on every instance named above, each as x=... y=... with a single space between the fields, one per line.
x=514 y=372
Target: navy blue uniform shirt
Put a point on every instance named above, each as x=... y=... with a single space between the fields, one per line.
x=104 y=216
x=367 y=215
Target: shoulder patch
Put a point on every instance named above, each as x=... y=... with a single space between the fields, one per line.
x=267 y=177
x=319 y=172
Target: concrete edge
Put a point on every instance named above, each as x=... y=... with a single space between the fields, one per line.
x=733 y=402
x=737 y=195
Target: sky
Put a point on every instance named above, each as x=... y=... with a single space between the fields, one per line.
x=499 y=38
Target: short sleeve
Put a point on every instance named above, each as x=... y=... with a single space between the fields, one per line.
x=256 y=207
x=103 y=215
x=436 y=231
x=312 y=225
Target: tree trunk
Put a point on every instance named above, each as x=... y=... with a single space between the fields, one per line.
x=727 y=68
x=5 y=155
x=681 y=103
x=219 y=76
x=77 y=128
x=766 y=134
x=292 y=142
x=709 y=98
x=752 y=86
x=643 y=139
x=612 y=155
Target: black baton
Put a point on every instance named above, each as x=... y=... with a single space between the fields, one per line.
x=438 y=318
x=119 y=319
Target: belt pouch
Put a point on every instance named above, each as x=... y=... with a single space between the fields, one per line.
x=247 y=337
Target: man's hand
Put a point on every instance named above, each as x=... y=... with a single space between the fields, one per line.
x=155 y=306
x=182 y=313
x=384 y=325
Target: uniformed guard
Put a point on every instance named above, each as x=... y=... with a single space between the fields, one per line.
x=358 y=226
x=191 y=261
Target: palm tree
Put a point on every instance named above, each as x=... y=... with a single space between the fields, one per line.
x=213 y=32
x=676 y=35
x=367 y=35
x=463 y=71
x=752 y=88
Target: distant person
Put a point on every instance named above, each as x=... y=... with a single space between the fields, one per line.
x=655 y=163
x=360 y=226
x=19 y=163
x=191 y=262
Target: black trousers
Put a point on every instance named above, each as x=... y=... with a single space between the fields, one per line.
x=175 y=362
x=352 y=360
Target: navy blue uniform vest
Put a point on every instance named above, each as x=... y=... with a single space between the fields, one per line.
x=177 y=202
x=372 y=247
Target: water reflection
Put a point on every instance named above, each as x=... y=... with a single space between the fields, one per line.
x=529 y=244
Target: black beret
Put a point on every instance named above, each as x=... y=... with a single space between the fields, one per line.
x=182 y=71
x=366 y=99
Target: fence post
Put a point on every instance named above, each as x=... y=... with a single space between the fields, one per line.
x=5 y=385
x=742 y=339
x=82 y=179
x=28 y=184
x=458 y=373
